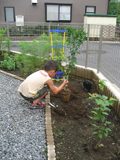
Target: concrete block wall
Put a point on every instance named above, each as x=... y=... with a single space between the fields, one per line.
x=110 y=90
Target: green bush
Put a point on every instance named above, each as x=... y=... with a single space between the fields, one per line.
x=33 y=57
x=8 y=62
x=100 y=112
x=28 y=64
x=113 y=7
x=46 y=43
x=75 y=38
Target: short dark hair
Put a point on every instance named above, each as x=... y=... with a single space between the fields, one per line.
x=51 y=65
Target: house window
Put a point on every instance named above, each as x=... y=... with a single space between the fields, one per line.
x=58 y=12
x=9 y=14
x=90 y=10
x=52 y=13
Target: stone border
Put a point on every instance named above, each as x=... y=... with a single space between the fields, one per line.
x=12 y=75
x=49 y=134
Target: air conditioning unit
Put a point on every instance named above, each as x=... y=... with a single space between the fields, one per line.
x=19 y=20
x=33 y=1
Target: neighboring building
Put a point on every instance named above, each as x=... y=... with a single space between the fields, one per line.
x=51 y=10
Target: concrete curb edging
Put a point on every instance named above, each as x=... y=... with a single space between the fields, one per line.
x=49 y=134
x=12 y=75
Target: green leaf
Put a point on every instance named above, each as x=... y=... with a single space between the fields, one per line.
x=100 y=145
x=105 y=113
x=102 y=118
x=113 y=99
x=98 y=101
x=96 y=117
x=108 y=129
x=95 y=132
x=107 y=103
x=104 y=97
x=98 y=96
x=107 y=122
x=100 y=135
x=95 y=125
x=106 y=108
x=106 y=134
x=94 y=112
x=97 y=109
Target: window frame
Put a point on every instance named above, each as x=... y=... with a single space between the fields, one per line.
x=58 y=4
x=13 y=14
x=90 y=12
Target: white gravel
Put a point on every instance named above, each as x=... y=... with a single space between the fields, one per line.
x=22 y=130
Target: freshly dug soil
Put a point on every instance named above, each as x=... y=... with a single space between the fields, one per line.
x=72 y=129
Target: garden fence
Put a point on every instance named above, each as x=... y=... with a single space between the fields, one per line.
x=101 y=50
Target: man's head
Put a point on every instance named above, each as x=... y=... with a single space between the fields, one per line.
x=51 y=67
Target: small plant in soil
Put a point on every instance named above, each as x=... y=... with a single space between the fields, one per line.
x=74 y=40
x=103 y=103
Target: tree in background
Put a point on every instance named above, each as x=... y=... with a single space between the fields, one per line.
x=114 y=8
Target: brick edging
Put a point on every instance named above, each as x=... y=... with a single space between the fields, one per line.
x=49 y=134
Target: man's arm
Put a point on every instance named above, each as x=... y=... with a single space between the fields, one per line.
x=55 y=89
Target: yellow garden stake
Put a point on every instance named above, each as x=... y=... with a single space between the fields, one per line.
x=51 y=44
x=63 y=42
x=59 y=74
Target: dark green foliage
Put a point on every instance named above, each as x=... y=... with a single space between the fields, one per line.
x=33 y=57
x=75 y=39
x=28 y=64
x=46 y=43
x=114 y=9
x=100 y=113
x=5 y=43
x=8 y=62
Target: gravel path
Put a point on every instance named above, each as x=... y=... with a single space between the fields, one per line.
x=22 y=130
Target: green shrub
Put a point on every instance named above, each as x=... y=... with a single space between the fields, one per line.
x=8 y=62
x=28 y=64
x=100 y=112
x=46 y=43
x=75 y=38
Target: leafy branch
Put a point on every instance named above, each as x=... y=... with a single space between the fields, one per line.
x=100 y=113
x=75 y=39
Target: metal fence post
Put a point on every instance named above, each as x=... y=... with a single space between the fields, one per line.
x=100 y=49
x=86 y=62
x=7 y=30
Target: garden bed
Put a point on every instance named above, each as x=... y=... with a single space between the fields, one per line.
x=72 y=129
